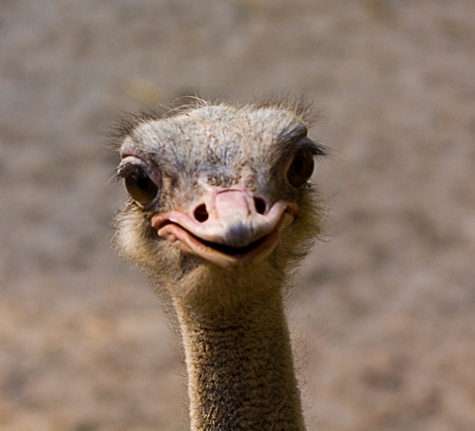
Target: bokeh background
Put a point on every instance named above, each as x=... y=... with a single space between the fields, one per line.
x=384 y=310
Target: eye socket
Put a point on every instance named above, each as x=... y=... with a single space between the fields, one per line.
x=139 y=185
x=301 y=168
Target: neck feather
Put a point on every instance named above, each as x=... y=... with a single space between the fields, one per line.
x=240 y=370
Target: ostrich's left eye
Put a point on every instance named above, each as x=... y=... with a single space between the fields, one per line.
x=139 y=185
x=301 y=168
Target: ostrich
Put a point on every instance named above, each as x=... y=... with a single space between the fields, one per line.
x=219 y=213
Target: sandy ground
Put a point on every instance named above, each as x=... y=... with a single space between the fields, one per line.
x=384 y=313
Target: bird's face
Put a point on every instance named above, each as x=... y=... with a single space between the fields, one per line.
x=217 y=186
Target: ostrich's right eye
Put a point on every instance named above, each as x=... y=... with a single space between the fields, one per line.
x=139 y=185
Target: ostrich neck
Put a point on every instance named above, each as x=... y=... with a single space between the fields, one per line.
x=240 y=370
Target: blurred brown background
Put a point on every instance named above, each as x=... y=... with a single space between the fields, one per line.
x=385 y=312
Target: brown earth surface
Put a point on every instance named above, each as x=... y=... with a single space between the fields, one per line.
x=384 y=314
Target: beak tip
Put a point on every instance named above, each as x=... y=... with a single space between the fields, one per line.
x=239 y=235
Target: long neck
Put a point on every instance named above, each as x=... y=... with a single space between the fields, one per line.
x=240 y=371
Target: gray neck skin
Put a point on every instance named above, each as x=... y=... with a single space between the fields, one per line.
x=240 y=371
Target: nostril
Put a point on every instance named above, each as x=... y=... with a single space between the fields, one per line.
x=200 y=213
x=260 y=205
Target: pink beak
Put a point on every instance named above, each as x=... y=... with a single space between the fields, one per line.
x=227 y=226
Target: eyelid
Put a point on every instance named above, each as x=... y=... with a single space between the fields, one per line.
x=131 y=160
x=296 y=139
x=154 y=173
x=315 y=149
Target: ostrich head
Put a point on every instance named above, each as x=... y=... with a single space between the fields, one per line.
x=219 y=199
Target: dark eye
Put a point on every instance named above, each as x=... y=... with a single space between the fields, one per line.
x=301 y=168
x=140 y=186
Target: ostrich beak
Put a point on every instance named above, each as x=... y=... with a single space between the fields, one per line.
x=227 y=227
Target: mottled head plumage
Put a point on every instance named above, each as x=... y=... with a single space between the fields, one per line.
x=201 y=146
